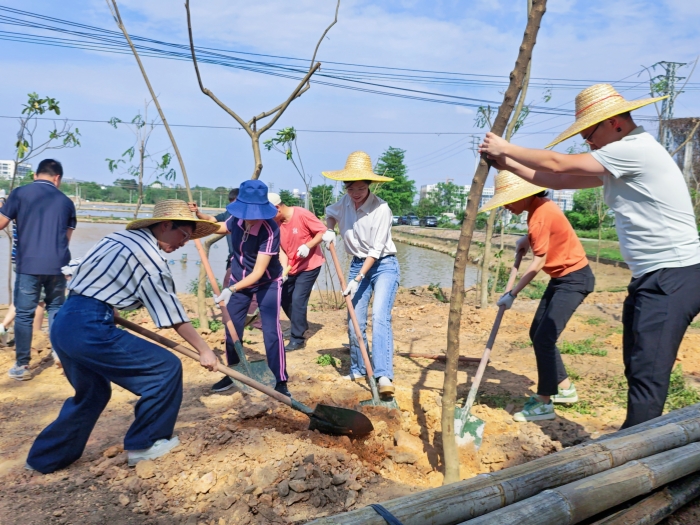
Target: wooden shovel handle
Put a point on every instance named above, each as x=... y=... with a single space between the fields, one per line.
x=215 y=288
x=492 y=337
x=351 y=312
x=194 y=355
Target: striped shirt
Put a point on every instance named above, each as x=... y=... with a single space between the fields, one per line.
x=126 y=271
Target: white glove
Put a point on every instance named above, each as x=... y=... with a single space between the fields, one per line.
x=506 y=300
x=303 y=251
x=328 y=238
x=351 y=289
x=225 y=296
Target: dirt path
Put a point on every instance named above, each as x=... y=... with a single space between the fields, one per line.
x=246 y=459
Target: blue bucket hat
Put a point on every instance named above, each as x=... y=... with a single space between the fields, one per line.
x=252 y=203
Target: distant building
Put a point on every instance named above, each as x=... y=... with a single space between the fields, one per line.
x=563 y=198
x=8 y=166
x=157 y=185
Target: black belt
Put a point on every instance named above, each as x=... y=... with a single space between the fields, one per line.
x=355 y=258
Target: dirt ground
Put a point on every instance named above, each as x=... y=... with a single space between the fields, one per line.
x=244 y=459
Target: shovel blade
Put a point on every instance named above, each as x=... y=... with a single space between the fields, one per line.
x=340 y=421
x=381 y=402
x=469 y=429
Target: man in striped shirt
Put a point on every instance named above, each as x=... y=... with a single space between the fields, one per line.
x=124 y=271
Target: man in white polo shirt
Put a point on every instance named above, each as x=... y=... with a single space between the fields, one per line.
x=655 y=223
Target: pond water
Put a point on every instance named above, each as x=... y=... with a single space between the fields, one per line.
x=418 y=265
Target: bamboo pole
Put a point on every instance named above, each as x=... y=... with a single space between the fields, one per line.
x=659 y=505
x=582 y=499
x=451 y=504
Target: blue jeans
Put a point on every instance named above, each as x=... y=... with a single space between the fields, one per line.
x=382 y=280
x=95 y=353
x=26 y=297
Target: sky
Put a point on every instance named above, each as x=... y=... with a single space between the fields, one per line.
x=587 y=41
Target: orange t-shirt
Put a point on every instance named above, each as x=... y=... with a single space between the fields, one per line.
x=301 y=228
x=551 y=234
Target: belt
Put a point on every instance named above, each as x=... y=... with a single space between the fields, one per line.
x=355 y=258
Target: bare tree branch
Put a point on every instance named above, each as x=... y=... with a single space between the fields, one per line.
x=335 y=21
x=688 y=139
x=266 y=114
x=206 y=91
x=294 y=95
x=114 y=9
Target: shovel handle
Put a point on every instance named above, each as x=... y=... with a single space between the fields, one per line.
x=492 y=337
x=219 y=367
x=215 y=288
x=351 y=312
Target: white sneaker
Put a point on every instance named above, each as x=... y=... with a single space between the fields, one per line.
x=385 y=385
x=354 y=377
x=3 y=335
x=158 y=449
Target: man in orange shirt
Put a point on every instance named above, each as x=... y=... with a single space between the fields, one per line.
x=557 y=250
x=301 y=233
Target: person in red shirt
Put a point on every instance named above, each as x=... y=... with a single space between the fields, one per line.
x=558 y=252
x=301 y=257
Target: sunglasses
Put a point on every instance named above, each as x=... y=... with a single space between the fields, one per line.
x=590 y=136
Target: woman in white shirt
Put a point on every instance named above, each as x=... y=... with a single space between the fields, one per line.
x=364 y=221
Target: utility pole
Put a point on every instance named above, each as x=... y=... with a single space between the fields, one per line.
x=665 y=84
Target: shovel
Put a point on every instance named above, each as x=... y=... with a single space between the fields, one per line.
x=257 y=370
x=376 y=400
x=468 y=427
x=327 y=419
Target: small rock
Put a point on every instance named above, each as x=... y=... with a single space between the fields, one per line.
x=387 y=464
x=339 y=479
x=403 y=457
x=250 y=489
x=58 y=513
x=146 y=469
x=124 y=500
x=355 y=485
x=263 y=477
x=205 y=483
x=290 y=450
x=283 y=489
x=113 y=451
x=350 y=499
x=309 y=458
x=408 y=442
x=298 y=485
x=297 y=497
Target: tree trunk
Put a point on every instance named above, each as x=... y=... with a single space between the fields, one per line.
x=257 y=170
x=449 y=396
x=486 y=260
x=139 y=201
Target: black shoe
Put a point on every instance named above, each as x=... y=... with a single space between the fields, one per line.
x=281 y=387
x=223 y=385
x=294 y=345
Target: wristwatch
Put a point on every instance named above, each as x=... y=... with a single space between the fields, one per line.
x=232 y=288
x=361 y=276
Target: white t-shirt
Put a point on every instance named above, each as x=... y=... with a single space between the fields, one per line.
x=654 y=215
x=366 y=231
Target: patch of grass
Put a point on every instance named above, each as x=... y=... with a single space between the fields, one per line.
x=615 y=289
x=594 y=321
x=328 y=359
x=583 y=347
x=126 y=314
x=679 y=393
x=582 y=407
x=521 y=344
x=573 y=374
x=437 y=292
x=214 y=325
x=534 y=290
x=696 y=324
x=493 y=400
x=618 y=385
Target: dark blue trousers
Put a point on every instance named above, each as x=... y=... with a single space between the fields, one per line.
x=269 y=298
x=95 y=353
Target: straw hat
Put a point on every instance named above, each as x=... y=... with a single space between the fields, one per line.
x=509 y=188
x=357 y=167
x=597 y=103
x=175 y=210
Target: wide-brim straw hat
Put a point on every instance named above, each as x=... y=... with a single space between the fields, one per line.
x=597 y=103
x=357 y=167
x=252 y=203
x=175 y=210
x=509 y=188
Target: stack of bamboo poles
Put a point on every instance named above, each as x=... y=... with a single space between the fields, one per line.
x=569 y=486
